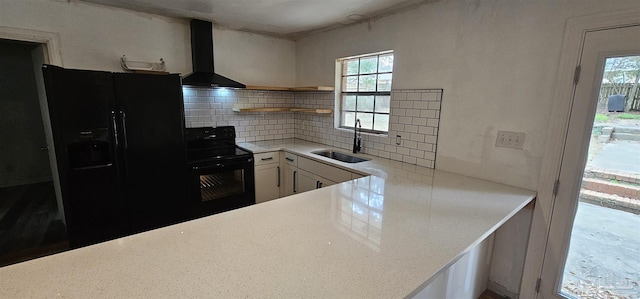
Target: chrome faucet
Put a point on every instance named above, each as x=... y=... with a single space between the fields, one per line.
x=357 y=138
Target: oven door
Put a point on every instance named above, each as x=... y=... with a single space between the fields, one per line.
x=220 y=187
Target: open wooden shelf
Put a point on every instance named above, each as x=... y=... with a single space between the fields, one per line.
x=277 y=88
x=284 y=109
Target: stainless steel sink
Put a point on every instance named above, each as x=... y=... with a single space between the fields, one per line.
x=339 y=156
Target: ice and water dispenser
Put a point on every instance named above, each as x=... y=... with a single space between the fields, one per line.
x=90 y=149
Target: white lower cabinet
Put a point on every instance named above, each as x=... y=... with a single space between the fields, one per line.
x=289 y=163
x=306 y=181
x=267 y=176
x=280 y=174
x=288 y=174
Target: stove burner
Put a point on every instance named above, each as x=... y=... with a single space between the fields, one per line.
x=212 y=145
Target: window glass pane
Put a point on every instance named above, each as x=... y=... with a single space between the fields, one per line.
x=348 y=119
x=386 y=63
x=367 y=83
x=348 y=102
x=350 y=67
x=384 y=82
x=366 y=119
x=381 y=122
x=365 y=103
x=383 y=104
x=350 y=83
x=368 y=65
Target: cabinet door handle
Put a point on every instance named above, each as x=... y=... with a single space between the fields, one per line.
x=267 y=159
x=294 y=181
x=289 y=159
x=278 y=176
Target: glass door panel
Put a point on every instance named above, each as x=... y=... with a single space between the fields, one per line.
x=593 y=249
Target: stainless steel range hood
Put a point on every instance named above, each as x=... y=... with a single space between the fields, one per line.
x=202 y=59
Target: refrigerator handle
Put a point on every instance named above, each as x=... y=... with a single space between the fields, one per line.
x=115 y=127
x=123 y=119
x=123 y=122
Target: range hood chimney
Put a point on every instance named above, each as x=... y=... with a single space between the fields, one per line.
x=202 y=59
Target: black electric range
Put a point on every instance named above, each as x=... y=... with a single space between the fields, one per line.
x=221 y=174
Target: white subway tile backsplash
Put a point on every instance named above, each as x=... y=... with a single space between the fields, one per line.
x=431 y=96
x=411 y=116
x=413 y=96
x=419 y=121
x=417 y=153
x=394 y=156
x=410 y=144
x=405 y=120
x=408 y=159
x=399 y=112
x=406 y=104
x=428 y=113
x=414 y=115
x=420 y=105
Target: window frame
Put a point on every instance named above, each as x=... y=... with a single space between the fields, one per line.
x=340 y=94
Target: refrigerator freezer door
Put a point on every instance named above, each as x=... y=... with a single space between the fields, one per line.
x=80 y=103
x=152 y=125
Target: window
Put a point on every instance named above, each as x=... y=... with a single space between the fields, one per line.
x=365 y=91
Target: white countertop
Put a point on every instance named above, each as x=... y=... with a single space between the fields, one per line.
x=380 y=236
x=375 y=166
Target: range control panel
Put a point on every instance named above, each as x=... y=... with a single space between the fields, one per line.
x=210 y=133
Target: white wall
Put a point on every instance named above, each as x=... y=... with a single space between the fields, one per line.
x=254 y=59
x=95 y=37
x=497 y=63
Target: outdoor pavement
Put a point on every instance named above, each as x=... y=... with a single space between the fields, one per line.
x=606 y=252
x=620 y=155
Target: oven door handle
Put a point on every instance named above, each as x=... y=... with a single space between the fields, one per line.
x=248 y=162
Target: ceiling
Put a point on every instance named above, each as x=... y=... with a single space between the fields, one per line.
x=280 y=18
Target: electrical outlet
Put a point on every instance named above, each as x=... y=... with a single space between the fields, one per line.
x=514 y=140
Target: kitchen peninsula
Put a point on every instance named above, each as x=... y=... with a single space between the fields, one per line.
x=381 y=236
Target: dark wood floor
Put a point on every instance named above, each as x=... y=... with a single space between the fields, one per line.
x=30 y=225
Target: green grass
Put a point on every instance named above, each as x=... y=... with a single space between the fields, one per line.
x=601 y=117
x=626 y=116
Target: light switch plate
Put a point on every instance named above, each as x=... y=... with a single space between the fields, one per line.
x=514 y=140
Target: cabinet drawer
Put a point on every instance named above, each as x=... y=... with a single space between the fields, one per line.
x=266 y=158
x=324 y=170
x=290 y=159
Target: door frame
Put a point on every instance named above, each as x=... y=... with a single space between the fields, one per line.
x=49 y=39
x=50 y=50
x=571 y=52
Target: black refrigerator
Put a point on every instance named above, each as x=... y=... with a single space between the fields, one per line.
x=120 y=151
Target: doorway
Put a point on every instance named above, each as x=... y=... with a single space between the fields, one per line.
x=593 y=244
x=30 y=222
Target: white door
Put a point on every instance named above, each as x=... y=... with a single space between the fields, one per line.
x=598 y=46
